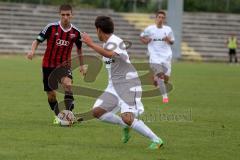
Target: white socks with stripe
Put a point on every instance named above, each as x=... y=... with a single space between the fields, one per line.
x=141 y=128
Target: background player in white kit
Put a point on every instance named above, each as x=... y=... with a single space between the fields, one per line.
x=124 y=88
x=159 y=39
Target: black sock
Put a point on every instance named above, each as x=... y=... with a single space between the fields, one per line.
x=69 y=101
x=54 y=106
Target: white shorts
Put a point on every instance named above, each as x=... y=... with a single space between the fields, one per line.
x=161 y=66
x=129 y=101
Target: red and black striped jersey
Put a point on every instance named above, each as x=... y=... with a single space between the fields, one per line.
x=59 y=44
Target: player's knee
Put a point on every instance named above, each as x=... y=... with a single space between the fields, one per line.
x=67 y=84
x=97 y=112
x=127 y=118
x=160 y=75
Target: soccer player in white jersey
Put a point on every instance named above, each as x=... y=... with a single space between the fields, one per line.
x=124 y=87
x=159 y=39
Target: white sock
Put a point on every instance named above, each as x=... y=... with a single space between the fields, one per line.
x=162 y=87
x=112 y=118
x=141 y=128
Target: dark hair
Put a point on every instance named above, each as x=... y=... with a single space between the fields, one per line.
x=105 y=23
x=65 y=7
x=160 y=12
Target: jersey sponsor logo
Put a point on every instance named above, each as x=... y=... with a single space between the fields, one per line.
x=61 y=42
x=110 y=61
x=158 y=39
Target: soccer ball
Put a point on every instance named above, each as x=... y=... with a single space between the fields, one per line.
x=66 y=118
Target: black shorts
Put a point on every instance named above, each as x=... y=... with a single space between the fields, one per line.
x=52 y=77
x=232 y=51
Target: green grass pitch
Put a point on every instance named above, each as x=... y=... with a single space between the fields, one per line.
x=201 y=122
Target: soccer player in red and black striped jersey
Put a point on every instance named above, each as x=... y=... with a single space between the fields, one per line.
x=60 y=37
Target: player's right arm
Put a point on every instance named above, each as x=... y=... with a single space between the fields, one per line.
x=89 y=42
x=44 y=34
x=30 y=54
x=145 y=40
x=144 y=36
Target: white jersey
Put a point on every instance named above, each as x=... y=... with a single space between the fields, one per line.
x=158 y=49
x=119 y=66
x=123 y=81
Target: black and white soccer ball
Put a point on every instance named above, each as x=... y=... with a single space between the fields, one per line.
x=66 y=118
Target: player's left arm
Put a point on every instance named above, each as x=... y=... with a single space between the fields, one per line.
x=169 y=37
x=89 y=42
x=80 y=56
x=169 y=40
